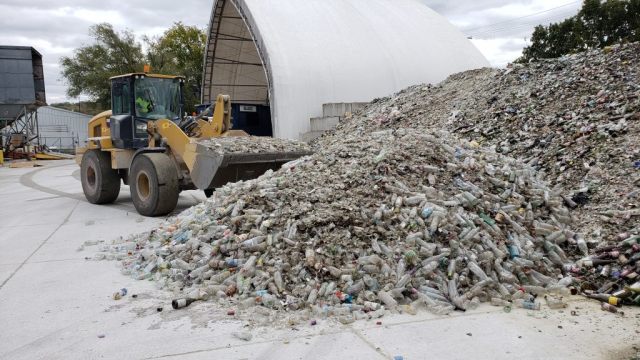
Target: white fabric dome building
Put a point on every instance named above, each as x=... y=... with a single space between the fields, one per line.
x=283 y=59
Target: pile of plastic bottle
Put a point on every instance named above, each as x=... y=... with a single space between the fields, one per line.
x=390 y=213
x=423 y=221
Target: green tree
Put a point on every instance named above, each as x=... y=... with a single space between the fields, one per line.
x=633 y=19
x=597 y=24
x=185 y=46
x=589 y=16
x=615 y=25
x=179 y=51
x=540 y=45
x=563 y=38
x=91 y=66
x=604 y=23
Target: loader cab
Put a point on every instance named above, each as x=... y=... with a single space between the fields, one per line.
x=139 y=98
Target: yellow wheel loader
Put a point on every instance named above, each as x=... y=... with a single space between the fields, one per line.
x=145 y=142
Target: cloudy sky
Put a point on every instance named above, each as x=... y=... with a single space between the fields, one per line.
x=499 y=28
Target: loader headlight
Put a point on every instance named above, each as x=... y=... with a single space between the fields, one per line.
x=141 y=127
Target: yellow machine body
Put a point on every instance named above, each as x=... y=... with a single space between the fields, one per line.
x=176 y=139
x=169 y=153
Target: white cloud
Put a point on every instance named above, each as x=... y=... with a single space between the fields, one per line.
x=499 y=28
x=500 y=51
x=56 y=27
x=98 y=16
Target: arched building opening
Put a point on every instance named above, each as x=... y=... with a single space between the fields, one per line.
x=233 y=66
x=281 y=60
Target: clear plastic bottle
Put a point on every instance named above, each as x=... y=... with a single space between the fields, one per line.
x=559 y=289
x=247 y=303
x=404 y=280
x=476 y=270
x=346 y=319
x=473 y=303
x=451 y=269
x=372 y=305
x=387 y=299
x=250 y=264
x=331 y=288
x=151 y=266
x=319 y=311
x=241 y=283
x=269 y=301
x=340 y=311
x=555 y=302
x=526 y=304
x=400 y=269
x=310 y=258
x=377 y=314
x=313 y=295
x=497 y=302
x=242 y=335
x=582 y=246
x=355 y=288
x=277 y=278
x=103 y=247
x=323 y=289
x=181 y=264
x=540 y=277
x=413 y=307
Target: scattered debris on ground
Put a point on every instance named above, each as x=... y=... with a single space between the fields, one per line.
x=26 y=164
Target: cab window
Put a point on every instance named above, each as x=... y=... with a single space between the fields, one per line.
x=121 y=98
x=158 y=98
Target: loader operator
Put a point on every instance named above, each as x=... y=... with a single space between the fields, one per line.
x=144 y=101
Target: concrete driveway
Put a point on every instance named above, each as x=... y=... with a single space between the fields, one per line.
x=54 y=304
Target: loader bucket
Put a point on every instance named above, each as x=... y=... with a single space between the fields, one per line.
x=212 y=169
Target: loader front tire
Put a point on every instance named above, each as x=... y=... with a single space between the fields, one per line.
x=100 y=183
x=154 y=184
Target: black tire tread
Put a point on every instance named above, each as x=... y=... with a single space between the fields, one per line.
x=107 y=179
x=165 y=188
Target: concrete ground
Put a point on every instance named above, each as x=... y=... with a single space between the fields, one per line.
x=54 y=304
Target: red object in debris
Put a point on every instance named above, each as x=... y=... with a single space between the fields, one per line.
x=231 y=312
x=379 y=323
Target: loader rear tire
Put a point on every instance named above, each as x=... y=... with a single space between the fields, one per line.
x=154 y=184
x=100 y=183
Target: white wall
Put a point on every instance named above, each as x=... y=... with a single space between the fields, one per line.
x=322 y=51
x=61 y=128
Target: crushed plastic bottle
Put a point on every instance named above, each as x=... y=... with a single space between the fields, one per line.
x=119 y=294
x=242 y=335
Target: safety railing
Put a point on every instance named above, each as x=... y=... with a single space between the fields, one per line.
x=63 y=144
